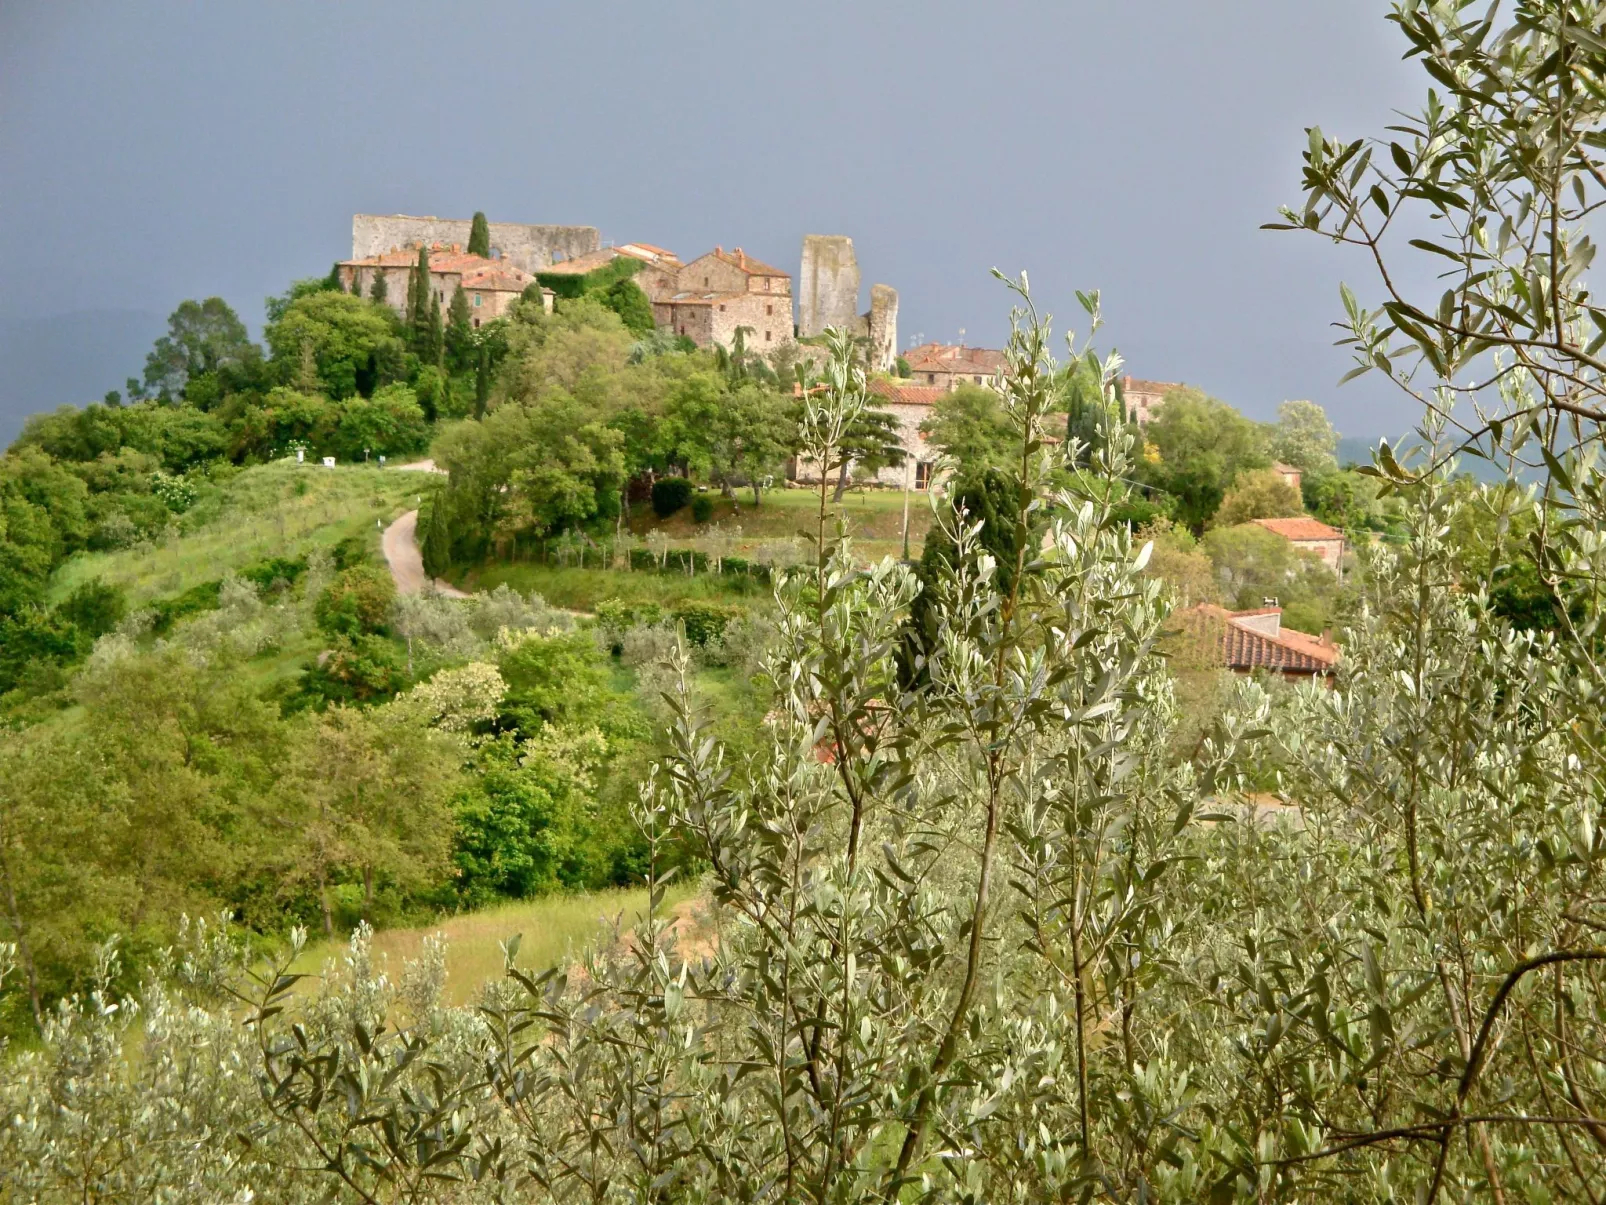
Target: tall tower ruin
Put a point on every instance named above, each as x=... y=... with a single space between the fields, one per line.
x=828 y=284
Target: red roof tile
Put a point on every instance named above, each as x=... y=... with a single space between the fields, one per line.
x=1243 y=648
x=907 y=395
x=746 y=263
x=1300 y=527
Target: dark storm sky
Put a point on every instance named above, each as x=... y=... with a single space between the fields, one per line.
x=159 y=151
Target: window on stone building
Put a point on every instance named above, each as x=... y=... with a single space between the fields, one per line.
x=978 y=380
x=922 y=474
x=705 y=282
x=931 y=378
x=769 y=311
x=476 y=299
x=476 y=322
x=768 y=335
x=721 y=309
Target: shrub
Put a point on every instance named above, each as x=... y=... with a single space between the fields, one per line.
x=358 y=669
x=357 y=602
x=704 y=622
x=702 y=508
x=94 y=608
x=669 y=494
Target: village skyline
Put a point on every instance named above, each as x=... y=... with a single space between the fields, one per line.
x=1155 y=147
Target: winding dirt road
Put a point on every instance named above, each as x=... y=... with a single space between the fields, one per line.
x=400 y=543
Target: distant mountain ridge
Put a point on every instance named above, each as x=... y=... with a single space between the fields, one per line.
x=69 y=359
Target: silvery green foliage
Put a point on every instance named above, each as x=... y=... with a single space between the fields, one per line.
x=931 y=898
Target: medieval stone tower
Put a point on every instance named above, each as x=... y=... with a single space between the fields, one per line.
x=828 y=295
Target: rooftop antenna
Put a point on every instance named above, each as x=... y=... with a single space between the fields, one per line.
x=961 y=336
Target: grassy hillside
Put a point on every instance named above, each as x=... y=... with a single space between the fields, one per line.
x=876 y=515
x=274 y=510
x=552 y=928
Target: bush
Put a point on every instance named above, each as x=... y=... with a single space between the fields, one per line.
x=358 y=669
x=669 y=494
x=704 y=622
x=94 y=608
x=357 y=602
x=702 y=508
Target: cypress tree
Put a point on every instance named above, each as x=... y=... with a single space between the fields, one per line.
x=419 y=294
x=482 y=382
x=479 y=236
x=459 y=333
x=436 y=346
x=378 y=291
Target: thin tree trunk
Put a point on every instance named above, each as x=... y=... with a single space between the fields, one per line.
x=323 y=900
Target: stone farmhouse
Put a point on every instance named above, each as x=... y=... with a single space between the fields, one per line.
x=948 y=366
x=911 y=405
x=722 y=291
x=492 y=285
x=1309 y=535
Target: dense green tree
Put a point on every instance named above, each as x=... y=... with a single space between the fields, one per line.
x=420 y=289
x=459 y=337
x=969 y=425
x=350 y=345
x=872 y=441
x=43 y=519
x=357 y=603
x=625 y=298
x=1305 y=438
x=1202 y=445
x=203 y=337
x=479 y=236
x=1257 y=494
x=379 y=291
x=1253 y=564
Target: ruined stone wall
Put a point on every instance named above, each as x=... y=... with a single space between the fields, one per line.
x=828 y=284
x=528 y=247
x=881 y=324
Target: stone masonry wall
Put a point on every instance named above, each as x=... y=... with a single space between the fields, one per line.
x=528 y=247
x=828 y=284
x=883 y=328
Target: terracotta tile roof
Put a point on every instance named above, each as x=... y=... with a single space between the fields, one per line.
x=498 y=278
x=965 y=361
x=1135 y=385
x=652 y=254
x=579 y=265
x=1300 y=527
x=442 y=261
x=746 y=263
x=702 y=298
x=908 y=395
x=1244 y=648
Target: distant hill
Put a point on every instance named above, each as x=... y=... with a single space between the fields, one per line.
x=69 y=359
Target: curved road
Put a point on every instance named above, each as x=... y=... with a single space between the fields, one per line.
x=400 y=543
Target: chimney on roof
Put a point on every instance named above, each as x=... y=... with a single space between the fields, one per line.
x=718 y=250
x=1327 y=638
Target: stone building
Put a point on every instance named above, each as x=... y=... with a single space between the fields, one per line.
x=724 y=290
x=911 y=405
x=829 y=280
x=947 y=366
x=492 y=285
x=528 y=248
x=658 y=277
x=1247 y=641
x=1143 y=398
x=1309 y=535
